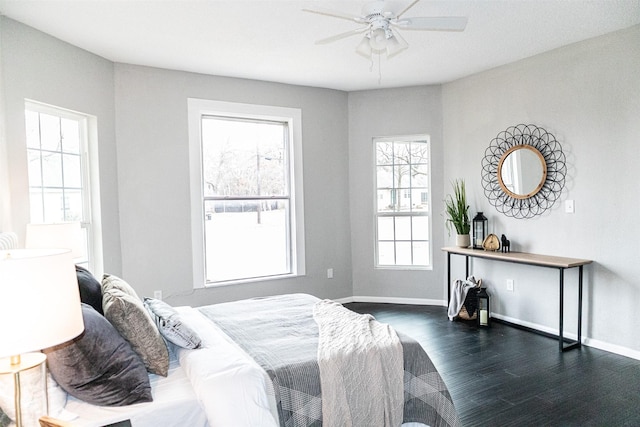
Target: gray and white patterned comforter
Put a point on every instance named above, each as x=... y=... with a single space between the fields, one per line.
x=280 y=334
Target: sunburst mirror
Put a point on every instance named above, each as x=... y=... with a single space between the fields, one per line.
x=523 y=171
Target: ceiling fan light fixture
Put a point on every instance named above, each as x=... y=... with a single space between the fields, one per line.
x=378 y=18
x=364 y=48
x=378 y=39
x=395 y=45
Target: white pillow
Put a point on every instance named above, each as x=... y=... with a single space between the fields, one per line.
x=33 y=400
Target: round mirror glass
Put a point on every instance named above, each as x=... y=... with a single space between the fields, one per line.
x=522 y=171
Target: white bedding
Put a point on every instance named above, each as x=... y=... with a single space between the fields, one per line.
x=174 y=405
x=230 y=385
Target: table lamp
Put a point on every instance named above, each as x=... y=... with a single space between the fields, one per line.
x=57 y=235
x=39 y=308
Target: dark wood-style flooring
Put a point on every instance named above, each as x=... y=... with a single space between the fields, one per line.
x=504 y=376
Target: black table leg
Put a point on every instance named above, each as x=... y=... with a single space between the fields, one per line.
x=468 y=262
x=570 y=343
x=561 y=323
x=579 y=306
x=448 y=278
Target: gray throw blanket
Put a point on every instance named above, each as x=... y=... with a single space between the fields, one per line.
x=459 y=290
x=280 y=334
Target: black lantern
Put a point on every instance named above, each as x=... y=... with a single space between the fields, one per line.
x=479 y=230
x=483 y=308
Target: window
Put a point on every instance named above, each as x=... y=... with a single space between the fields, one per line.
x=246 y=192
x=403 y=224
x=60 y=187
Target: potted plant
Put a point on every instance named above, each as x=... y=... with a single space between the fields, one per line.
x=458 y=214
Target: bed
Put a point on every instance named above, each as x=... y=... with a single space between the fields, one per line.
x=231 y=381
x=268 y=362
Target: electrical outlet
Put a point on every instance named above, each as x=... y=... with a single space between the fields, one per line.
x=510 y=285
x=157 y=295
x=329 y=273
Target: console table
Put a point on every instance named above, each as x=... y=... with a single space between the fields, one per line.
x=559 y=263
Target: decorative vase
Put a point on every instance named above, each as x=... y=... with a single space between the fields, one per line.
x=463 y=240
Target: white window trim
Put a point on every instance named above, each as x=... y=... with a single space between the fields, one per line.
x=90 y=178
x=375 y=140
x=196 y=109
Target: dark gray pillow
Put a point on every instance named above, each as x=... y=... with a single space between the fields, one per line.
x=90 y=288
x=171 y=325
x=4 y=420
x=99 y=366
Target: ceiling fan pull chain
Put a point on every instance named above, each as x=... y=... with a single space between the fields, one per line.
x=379 y=70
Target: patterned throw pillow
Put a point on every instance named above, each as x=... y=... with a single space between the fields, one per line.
x=171 y=325
x=125 y=311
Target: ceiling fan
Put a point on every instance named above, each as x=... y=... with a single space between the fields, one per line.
x=380 y=25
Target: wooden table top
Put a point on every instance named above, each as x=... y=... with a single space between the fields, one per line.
x=520 y=257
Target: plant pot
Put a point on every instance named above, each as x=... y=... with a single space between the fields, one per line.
x=463 y=240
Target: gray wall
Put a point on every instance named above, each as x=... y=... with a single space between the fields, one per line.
x=152 y=135
x=588 y=96
x=39 y=67
x=5 y=192
x=391 y=112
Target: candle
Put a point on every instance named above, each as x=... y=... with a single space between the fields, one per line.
x=484 y=317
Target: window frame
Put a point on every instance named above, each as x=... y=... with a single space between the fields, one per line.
x=89 y=167
x=197 y=108
x=395 y=193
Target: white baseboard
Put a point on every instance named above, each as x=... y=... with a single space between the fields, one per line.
x=590 y=342
x=612 y=348
x=393 y=300
x=535 y=326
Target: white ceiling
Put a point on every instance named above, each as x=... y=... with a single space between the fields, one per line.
x=274 y=40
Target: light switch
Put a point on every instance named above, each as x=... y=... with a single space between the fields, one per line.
x=569 y=207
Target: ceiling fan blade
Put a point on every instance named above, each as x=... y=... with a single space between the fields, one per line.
x=442 y=23
x=413 y=3
x=342 y=35
x=335 y=14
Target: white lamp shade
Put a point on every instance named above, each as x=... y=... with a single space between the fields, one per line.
x=39 y=300
x=66 y=235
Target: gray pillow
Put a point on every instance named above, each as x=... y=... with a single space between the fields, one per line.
x=171 y=325
x=127 y=313
x=99 y=366
x=110 y=281
x=4 y=420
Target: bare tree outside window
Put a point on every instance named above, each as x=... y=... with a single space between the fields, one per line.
x=246 y=198
x=403 y=202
